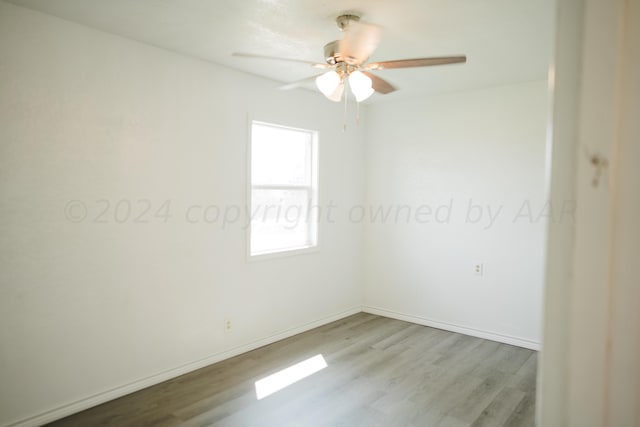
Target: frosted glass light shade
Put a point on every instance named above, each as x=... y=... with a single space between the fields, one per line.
x=328 y=82
x=336 y=96
x=360 y=85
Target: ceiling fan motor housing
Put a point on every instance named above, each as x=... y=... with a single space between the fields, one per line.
x=331 y=54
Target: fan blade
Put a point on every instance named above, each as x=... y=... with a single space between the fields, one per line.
x=299 y=83
x=379 y=85
x=359 y=42
x=301 y=61
x=418 y=62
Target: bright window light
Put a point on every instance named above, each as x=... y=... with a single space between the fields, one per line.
x=288 y=376
x=284 y=181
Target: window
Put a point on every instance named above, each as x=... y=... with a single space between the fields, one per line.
x=283 y=189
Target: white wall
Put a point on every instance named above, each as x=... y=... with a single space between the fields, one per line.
x=86 y=307
x=487 y=148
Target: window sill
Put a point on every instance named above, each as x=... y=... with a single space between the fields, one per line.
x=285 y=253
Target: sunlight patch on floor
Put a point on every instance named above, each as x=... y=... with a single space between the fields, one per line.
x=288 y=376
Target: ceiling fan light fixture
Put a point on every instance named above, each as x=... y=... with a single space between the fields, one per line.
x=361 y=85
x=328 y=82
x=336 y=96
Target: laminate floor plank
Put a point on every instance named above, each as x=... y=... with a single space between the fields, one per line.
x=524 y=413
x=500 y=409
x=479 y=398
x=381 y=372
x=525 y=378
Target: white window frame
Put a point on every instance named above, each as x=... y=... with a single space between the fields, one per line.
x=312 y=191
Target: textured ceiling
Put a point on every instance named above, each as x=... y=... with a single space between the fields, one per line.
x=506 y=41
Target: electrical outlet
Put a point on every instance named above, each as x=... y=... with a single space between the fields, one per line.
x=478 y=269
x=227 y=326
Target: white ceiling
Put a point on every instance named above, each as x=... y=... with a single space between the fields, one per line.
x=506 y=41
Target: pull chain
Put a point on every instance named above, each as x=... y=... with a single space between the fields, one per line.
x=344 y=123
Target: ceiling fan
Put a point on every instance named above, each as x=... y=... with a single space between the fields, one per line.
x=346 y=62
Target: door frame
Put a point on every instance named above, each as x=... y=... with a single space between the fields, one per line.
x=589 y=370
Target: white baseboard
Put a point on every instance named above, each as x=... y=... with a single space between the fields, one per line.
x=86 y=403
x=493 y=336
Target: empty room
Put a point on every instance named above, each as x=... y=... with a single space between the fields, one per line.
x=319 y=213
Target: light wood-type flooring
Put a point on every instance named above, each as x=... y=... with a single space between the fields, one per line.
x=381 y=372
